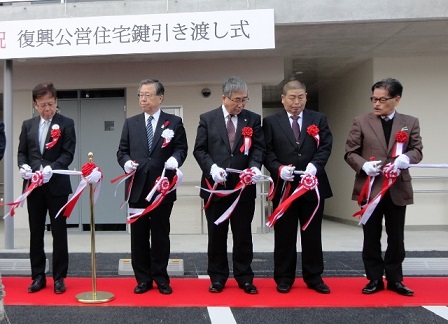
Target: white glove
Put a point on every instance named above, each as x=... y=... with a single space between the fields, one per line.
x=171 y=164
x=257 y=176
x=402 y=161
x=287 y=173
x=47 y=172
x=372 y=168
x=310 y=169
x=218 y=174
x=25 y=171
x=130 y=166
x=94 y=176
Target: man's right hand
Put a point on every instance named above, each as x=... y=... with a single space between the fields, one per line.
x=218 y=174
x=130 y=166
x=25 y=171
x=287 y=172
x=372 y=168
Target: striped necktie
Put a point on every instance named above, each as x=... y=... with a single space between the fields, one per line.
x=296 y=127
x=230 y=130
x=149 y=132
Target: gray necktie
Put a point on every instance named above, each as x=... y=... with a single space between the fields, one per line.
x=230 y=130
x=43 y=134
x=149 y=132
x=295 y=127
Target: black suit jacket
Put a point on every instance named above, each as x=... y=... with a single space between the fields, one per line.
x=281 y=149
x=212 y=146
x=134 y=146
x=59 y=157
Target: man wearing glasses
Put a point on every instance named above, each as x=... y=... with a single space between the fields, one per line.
x=145 y=149
x=218 y=146
x=47 y=142
x=380 y=147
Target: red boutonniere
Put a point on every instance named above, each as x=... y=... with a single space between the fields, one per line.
x=55 y=134
x=400 y=138
x=313 y=131
x=165 y=124
x=247 y=133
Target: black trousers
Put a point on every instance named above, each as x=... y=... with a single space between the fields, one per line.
x=242 y=253
x=374 y=263
x=285 y=244
x=150 y=243
x=39 y=202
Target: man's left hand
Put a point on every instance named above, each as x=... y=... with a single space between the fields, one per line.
x=47 y=172
x=311 y=169
x=402 y=161
x=171 y=164
x=257 y=176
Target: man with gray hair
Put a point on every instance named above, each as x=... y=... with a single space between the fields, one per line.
x=221 y=144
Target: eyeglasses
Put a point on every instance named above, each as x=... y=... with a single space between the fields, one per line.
x=239 y=100
x=381 y=100
x=146 y=95
x=44 y=104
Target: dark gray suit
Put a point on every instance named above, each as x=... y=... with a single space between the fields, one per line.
x=212 y=146
x=282 y=149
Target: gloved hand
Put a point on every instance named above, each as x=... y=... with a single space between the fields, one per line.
x=372 y=168
x=402 y=161
x=47 y=172
x=218 y=174
x=171 y=164
x=130 y=166
x=94 y=176
x=310 y=169
x=25 y=171
x=287 y=172
x=258 y=175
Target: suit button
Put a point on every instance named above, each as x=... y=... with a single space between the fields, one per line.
x=299 y=154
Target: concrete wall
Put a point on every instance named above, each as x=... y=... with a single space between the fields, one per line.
x=424 y=96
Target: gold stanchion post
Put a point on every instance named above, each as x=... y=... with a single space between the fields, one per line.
x=93 y=296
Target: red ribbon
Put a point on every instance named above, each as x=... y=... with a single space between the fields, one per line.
x=55 y=134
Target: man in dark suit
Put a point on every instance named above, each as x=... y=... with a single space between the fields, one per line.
x=144 y=147
x=2 y=140
x=214 y=153
x=375 y=135
x=35 y=154
x=290 y=147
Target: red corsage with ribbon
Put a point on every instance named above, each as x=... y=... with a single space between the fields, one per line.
x=247 y=133
x=313 y=131
x=55 y=134
x=400 y=138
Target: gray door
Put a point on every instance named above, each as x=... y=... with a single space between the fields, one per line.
x=98 y=121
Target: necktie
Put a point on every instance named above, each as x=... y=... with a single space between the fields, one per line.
x=149 y=132
x=295 y=127
x=43 y=135
x=230 y=130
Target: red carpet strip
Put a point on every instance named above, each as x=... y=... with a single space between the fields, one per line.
x=345 y=292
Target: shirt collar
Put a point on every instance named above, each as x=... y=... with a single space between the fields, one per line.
x=156 y=116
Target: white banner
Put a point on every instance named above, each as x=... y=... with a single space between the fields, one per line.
x=158 y=33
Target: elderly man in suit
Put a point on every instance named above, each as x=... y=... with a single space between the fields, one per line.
x=218 y=146
x=150 y=142
x=290 y=146
x=35 y=153
x=372 y=143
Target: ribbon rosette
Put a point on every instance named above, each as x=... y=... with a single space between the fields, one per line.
x=55 y=134
x=400 y=138
x=90 y=174
x=164 y=187
x=308 y=182
x=247 y=177
x=313 y=131
x=390 y=176
x=167 y=135
x=247 y=133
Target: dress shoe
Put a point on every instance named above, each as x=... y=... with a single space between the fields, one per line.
x=399 y=288
x=283 y=287
x=373 y=286
x=142 y=287
x=59 y=286
x=216 y=287
x=165 y=288
x=249 y=288
x=321 y=288
x=39 y=283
